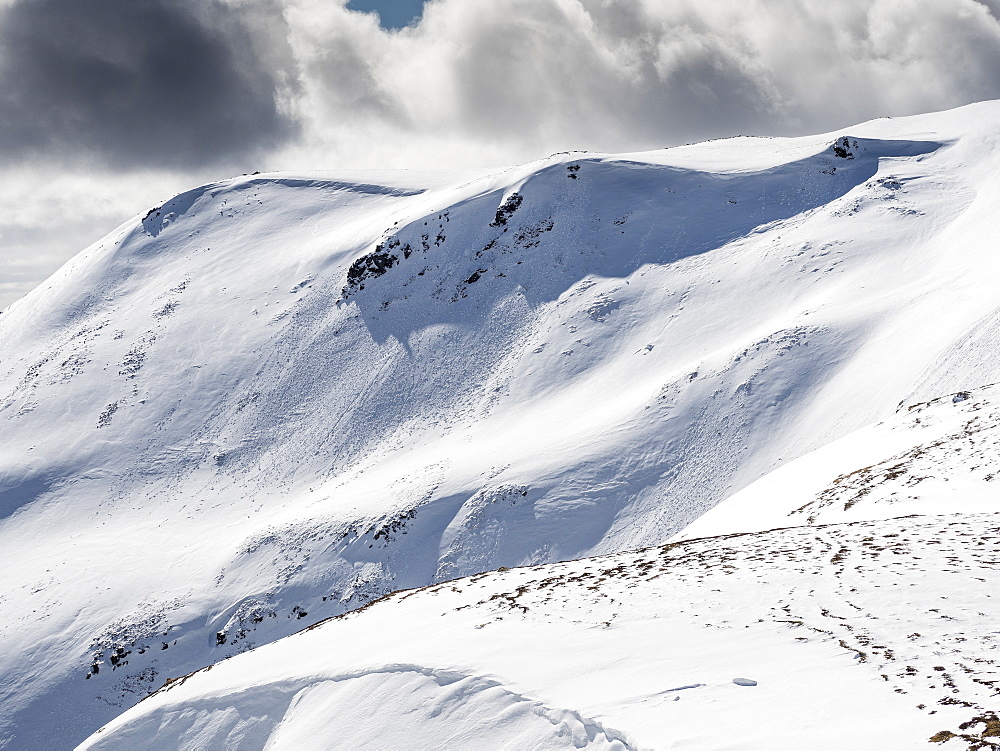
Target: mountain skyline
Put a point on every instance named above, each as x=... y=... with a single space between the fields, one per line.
x=107 y=110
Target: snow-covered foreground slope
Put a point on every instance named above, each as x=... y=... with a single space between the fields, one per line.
x=274 y=399
x=868 y=635
x=876 y=631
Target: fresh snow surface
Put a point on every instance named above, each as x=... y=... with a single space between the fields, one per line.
x=867 y=635
x=274 y=399
x=939 y=456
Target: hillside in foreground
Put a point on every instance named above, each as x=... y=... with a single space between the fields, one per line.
x=867 y=634
x=275 y=399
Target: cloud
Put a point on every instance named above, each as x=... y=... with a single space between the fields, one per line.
x=503 y=80
x=139 y=84
x=293 y=83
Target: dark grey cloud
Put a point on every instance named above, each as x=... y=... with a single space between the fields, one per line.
x=141 y=83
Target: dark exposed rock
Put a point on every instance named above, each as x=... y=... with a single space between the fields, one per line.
x=844 y=147
x=507 y=210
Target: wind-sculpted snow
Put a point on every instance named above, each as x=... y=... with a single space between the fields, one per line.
x=869 y=635
x=463 y=711
x=275 y=399
x=664 y=206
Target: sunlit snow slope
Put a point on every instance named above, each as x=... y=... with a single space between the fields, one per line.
x=933 y=457
x=877 y=631
x=273 y=399
x=871 y=636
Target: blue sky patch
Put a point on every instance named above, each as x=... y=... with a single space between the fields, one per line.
x=393 y=14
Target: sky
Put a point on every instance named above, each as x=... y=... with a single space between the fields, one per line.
x=108 y=108
x=393 y=14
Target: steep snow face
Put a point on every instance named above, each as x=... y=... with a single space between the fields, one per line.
x=869 y=635
x=274 y=399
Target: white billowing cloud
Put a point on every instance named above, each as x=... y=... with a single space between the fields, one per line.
x=308 y=82
x=480 y=81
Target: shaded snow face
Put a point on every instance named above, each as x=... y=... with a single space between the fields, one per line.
x=273 y=400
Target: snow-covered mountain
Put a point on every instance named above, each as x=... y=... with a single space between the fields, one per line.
x=272 y=400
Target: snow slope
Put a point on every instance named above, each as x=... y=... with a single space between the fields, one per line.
x=867 y=635
x=940 y=456
x=866 y=621
x=274 y=399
